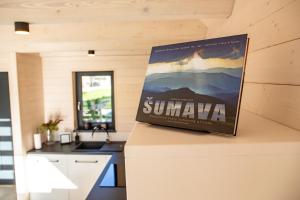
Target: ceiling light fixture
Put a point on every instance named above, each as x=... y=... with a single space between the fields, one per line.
x=91 y=53
x=22 y=28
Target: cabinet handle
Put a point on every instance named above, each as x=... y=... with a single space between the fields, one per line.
x=56 y=161
x=84 y=161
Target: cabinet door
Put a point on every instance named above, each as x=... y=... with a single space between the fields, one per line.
x=47 y=177
x=84 y=170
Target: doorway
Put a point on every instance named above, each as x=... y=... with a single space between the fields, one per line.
x=7 y=175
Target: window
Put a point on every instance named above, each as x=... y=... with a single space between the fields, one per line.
x=95 y=100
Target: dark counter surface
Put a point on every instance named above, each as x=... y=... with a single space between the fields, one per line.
x=57 y=148
x=116 y=149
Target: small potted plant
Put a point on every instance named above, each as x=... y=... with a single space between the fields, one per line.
x=49 y=128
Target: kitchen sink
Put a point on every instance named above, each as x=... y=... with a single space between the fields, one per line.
x=89 y=146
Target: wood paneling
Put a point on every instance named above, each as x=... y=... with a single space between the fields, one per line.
x=275 y=102
x=129 y=74
x=272 y=86
x=57 y=11
x=123 y=47
x=31 y=99
x=247 y=14
x=116 y=38
x=266 y=26
x=279 y=64
x=279 y=27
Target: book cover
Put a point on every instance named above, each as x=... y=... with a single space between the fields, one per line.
x=195 y=85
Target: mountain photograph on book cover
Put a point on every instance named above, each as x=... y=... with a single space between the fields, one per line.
x=195 y=85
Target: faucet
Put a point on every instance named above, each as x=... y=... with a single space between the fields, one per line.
x=96 y=128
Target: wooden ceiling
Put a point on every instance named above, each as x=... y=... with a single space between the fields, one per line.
x=136 y=35
x=66 y=11
x=39 y=4
x=108 y=26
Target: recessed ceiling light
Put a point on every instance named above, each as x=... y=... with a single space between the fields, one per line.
x=91 y=53
x=22 y=28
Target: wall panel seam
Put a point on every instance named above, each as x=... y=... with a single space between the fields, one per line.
x=272 y=13
x=268 y=118
x=269 y=83
x=273 y=45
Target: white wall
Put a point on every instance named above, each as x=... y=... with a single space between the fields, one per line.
x=272 y=83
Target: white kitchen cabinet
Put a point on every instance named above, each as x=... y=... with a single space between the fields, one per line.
x=47 y=177
x=84 y=170
x=62 y=176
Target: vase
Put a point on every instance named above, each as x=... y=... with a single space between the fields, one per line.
x=50 y=139
x=37 y=141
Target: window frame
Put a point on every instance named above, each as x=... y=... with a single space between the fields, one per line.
x=78 y=90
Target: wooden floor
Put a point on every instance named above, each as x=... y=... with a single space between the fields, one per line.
x=8 y=192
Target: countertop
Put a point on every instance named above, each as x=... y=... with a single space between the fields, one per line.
x=58 y=148
x=255 y=136
x=116 y=149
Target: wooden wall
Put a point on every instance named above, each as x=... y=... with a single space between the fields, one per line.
x=29 y=71
x=272 y=79
x=129 y=72
x=123 y=48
